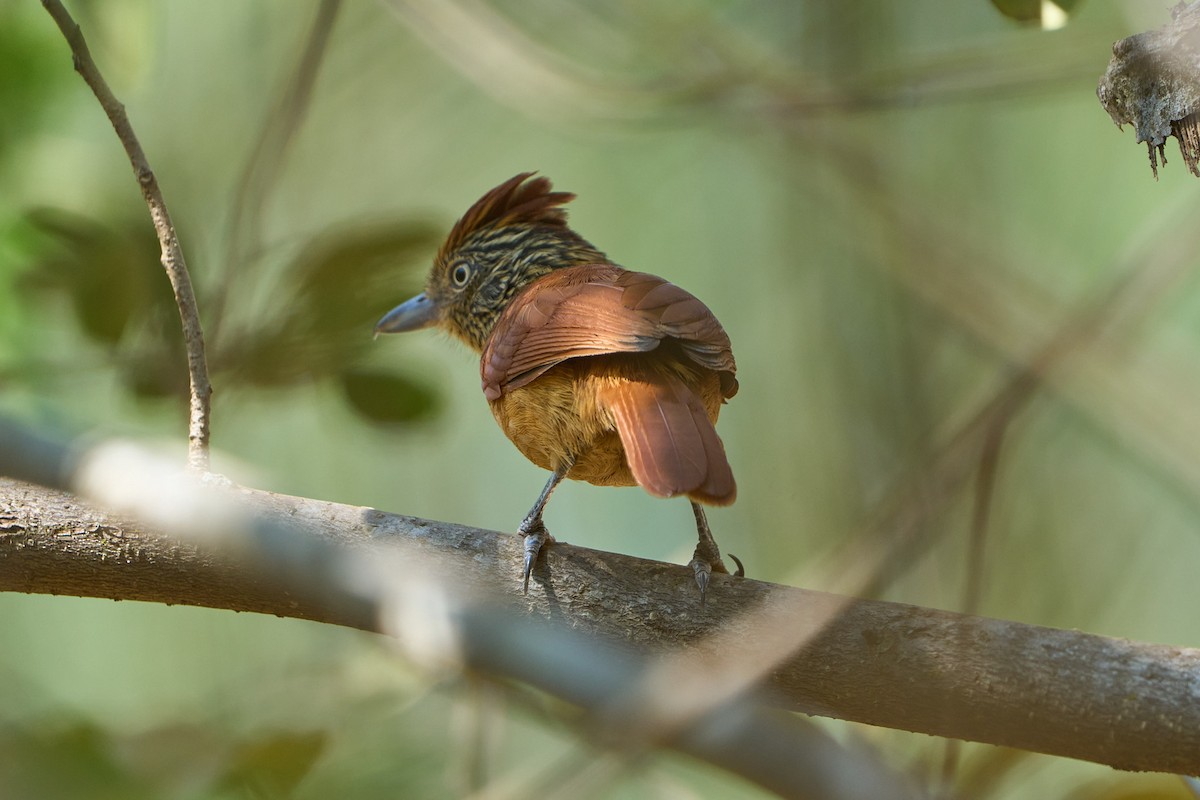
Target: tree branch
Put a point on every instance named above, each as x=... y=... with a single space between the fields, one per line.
x=1153 y=83
x=254 y=551
x=172 y=254
x=1127 y=704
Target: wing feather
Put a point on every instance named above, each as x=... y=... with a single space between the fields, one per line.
x=595 y=310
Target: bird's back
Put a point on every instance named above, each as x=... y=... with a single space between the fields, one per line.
x=621 y=371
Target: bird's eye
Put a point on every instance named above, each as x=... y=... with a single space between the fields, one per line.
x=460 y=275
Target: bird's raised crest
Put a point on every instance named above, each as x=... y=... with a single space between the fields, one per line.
x=517 y=200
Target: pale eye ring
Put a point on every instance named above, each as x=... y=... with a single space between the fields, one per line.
x=460 y=275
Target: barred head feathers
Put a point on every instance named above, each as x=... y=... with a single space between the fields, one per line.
x=511 y=236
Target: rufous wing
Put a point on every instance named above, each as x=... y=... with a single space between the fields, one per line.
x=670 y=443
x=595 y=310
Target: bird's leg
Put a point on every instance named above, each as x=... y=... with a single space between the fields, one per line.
x=532 y=529
x=707 y=558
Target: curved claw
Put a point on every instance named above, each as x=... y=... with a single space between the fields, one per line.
x=530 y=558
x=535 y=535
x=741 y=571
x=703 y=572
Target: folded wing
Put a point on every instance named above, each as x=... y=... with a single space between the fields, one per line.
x=594 y=310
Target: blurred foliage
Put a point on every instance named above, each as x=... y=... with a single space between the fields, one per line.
x=83 y=761
x=72 y=761
x=100 y=269
x=1142 y=787
x=272 y=767
x=387 y=398
x=327 y=305
x=29 y=69
x=890 y=208
x=315 y=329
x=1035 y=11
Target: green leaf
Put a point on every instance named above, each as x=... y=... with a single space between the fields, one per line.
x=386 y=398
x=31 y=77
x=1049 y=14
x=110 y=273
x=345 y=277
x=75 y=759
x=273 y=766
x=337 y=288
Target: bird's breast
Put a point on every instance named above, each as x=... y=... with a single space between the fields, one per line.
x=558 y=417
x=562 y=415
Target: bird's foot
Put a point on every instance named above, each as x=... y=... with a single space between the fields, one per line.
x=706 y=560
x=703 y=571
x=535 y=535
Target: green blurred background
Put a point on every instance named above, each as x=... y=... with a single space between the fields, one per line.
x=890 y=206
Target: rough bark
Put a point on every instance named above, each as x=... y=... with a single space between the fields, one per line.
x=1128 y=704
x=1153 y=83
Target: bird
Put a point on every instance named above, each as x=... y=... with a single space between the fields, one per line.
x=596 y=373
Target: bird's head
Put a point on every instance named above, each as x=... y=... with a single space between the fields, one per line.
x=511 y=236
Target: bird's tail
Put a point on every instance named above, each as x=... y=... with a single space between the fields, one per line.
x=670 y=442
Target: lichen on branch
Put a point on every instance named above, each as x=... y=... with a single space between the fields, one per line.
x=1153 y=83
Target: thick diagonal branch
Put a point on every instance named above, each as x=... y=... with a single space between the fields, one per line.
x=1128 y=704
x=270 y=555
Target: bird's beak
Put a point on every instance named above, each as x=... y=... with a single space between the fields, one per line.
x=411 y=315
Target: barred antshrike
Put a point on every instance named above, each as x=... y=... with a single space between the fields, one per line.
x=594 y=372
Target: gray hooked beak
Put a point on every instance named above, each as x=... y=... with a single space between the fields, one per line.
x=411 y=315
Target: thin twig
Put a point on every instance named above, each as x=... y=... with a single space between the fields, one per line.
x=172 y=254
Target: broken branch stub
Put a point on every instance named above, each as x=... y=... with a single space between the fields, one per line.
x=1153 y=83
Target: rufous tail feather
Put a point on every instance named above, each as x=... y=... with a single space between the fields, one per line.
x=670 y=443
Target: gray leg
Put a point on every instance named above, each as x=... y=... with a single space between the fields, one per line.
x=707 y=558
x=533 y=529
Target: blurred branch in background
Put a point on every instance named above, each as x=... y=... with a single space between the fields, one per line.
x=200 y=393
x=1078 y=353
x=1127 y=704
x=515 y=68
x=723 y=68
x=335 y=286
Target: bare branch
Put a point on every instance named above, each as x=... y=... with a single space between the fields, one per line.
x=1127 y=704
x=751 y=78
x=449 y=606
x=172 y=254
